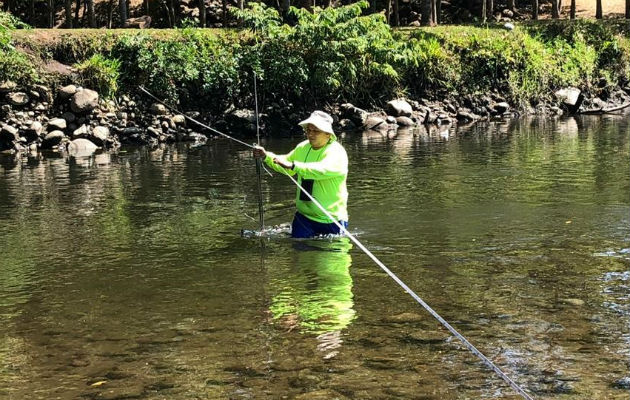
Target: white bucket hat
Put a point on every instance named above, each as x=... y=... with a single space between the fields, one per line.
x=321 y=121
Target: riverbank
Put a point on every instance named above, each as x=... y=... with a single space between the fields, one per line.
x=355 y=67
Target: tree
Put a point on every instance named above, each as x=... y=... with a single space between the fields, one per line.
x=535 y=9
x=69 y=14
x=202 y=13
x=51 y=13
x=484 y=15
x=573 y=9
x=627 y=9
x=598 y=10
x=90 y=12
x=555 y=11
x=511 y=5
x=122 y=9
x=490 y=8
x=396 y=14
x=438 y=15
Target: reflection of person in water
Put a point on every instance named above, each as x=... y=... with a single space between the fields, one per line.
x=317 y=298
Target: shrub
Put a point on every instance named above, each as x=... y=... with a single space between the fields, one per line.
x=100 y=73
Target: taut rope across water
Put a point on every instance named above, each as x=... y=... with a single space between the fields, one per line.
x=378 y=262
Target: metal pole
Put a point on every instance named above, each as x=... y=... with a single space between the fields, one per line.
x=261 y=210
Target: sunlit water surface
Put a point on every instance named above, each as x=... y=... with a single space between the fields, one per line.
x=124 y=275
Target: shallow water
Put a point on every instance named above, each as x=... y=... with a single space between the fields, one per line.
x=124 y=275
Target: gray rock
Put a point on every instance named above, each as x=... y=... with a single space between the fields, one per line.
x=66 y=92
x=33 y=131
x=158 y=109
x=84 y=101
x=8 y=133
x=390 y=120
x=405 y=121
x=7 y=86
x=357 y=115
x=44 y=92
x=623 y=383
x=52 y=139
x=179 y=120
x=68 y=116
x=57 y=124
x=18 y=98
x=430 y=118
x=376 y=123
x=81 y=131
x=81 y=147
x=570 y=97
x=100 y=134
x=466 y=116
x=347 y=125
x=398 y=108
x=501 y=107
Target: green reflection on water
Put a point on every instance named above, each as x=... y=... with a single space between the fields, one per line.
x=316 y=295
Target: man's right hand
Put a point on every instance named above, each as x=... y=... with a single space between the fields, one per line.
x=259 y=152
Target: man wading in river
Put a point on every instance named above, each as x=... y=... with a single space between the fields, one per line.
x=321 y=164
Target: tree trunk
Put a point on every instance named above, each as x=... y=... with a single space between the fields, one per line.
x=484 y=15
x=627 y=9
x=389 y=10
x=90 y=12
x=68 y=14
x=51 y=13
x=202 y=13
x=76 y=11
x=555 y=12
x=490 y=9
x=572 y=12
x=535 y=11
x=396 y=14
x=511 y=5
x=122 y=10
x=599 y=14
x=438 y=14
x=224 y=11
x=31 y=12
x=433 y=12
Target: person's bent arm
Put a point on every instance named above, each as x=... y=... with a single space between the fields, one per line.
x=332 y=166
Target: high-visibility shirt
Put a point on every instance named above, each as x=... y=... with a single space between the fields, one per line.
x=323 y=174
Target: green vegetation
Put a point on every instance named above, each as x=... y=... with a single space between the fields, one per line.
x=335 y=55
x=14 y=65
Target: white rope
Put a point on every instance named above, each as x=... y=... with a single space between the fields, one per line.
x=402 y=284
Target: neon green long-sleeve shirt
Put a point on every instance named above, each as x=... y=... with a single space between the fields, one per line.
x=328 y=168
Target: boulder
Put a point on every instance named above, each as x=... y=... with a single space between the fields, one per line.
x=57 y=124
x=404 y=121
x=81 y=131
x=84 y=101
x=398 y=108
x=8 y=133
x=501 y=107
x=376 y=123
x=242 y=119
x=81 y=147
x=179 y=120
x=68 y=116
x=52 y=139
x=7 y=86
x=33 y=131
x=44 y=92
x=357 y=115
x=66 y=92
x=18 y=98
x=571 y=98
x=158 y=109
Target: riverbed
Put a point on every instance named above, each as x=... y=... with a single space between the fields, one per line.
x=124 y=274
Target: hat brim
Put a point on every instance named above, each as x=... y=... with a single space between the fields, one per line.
x=319 y=124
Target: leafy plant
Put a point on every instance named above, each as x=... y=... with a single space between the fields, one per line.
x=100 y=73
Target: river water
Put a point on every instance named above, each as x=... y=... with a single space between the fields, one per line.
x=124 y=275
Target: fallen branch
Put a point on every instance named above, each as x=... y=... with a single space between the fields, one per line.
x=603 y=110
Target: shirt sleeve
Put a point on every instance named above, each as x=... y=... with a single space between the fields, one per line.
x=289 y=157
x=334 y=164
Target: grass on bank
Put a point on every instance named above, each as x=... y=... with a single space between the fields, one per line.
x=332 y=55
